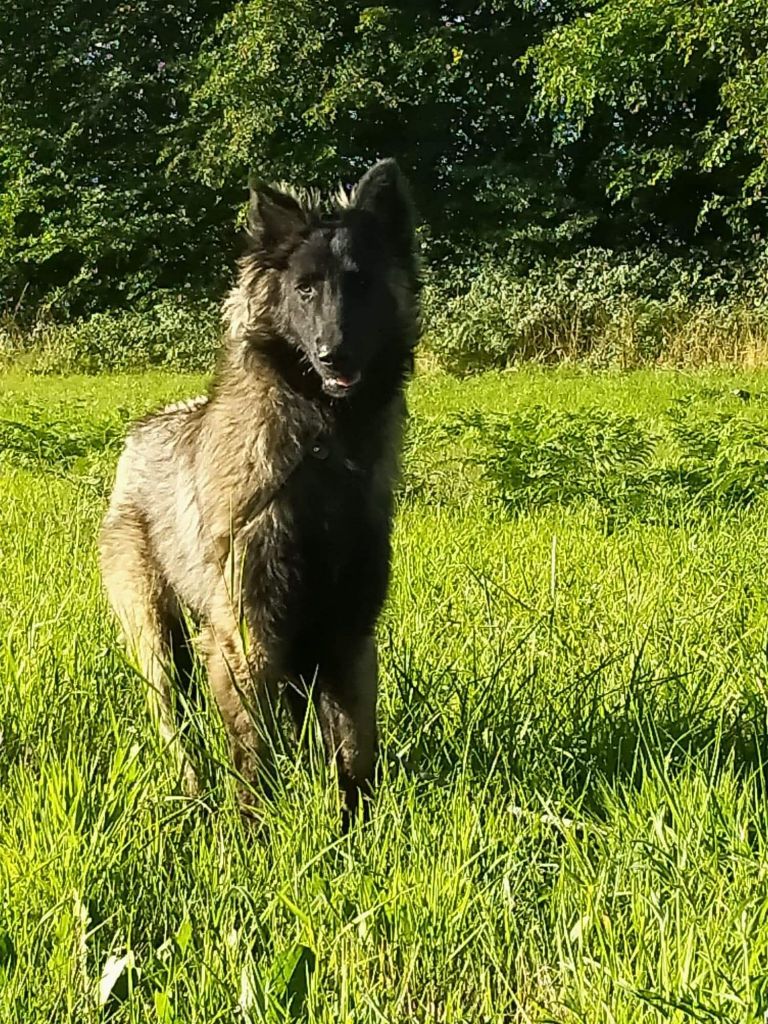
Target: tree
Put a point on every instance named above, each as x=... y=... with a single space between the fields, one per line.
x=88 y=95
x=314 y=91
x=665 y=106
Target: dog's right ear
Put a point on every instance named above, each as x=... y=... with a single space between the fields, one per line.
x=276 y=220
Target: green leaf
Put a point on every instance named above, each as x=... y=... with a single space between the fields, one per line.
x=291 y=973
x=183 y=935
x=164 y=1008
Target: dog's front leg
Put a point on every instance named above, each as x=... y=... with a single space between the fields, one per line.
x=244 y=685
x=347 y=689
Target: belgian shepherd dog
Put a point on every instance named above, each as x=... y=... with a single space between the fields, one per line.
x=262 y=512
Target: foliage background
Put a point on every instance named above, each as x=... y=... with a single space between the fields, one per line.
x=580 y=156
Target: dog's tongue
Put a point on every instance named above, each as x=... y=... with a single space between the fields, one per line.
x=346 y=382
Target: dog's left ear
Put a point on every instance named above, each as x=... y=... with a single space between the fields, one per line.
x=383 y=191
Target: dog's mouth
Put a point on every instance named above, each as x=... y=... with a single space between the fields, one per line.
x=339 y=385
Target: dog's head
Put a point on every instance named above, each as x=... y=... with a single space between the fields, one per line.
x=344 y=284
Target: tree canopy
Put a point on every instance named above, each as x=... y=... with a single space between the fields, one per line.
x=671 y=96
x=89 y=93
x=128 y=130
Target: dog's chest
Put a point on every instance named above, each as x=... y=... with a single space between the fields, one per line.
x=337 y=524
x=330 y=495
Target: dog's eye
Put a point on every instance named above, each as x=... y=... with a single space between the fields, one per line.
x=306 y=289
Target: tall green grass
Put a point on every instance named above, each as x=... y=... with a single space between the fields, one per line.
x=571 y=817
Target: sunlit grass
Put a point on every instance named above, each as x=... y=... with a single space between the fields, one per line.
x=570 y=823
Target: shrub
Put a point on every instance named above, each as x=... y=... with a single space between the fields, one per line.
x=598 y=306
x=722 y=459
x=690 y=463
x=606 y=308
x=544 y=457
x=175 y=333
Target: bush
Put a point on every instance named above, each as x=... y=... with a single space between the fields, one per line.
x=174 y=333
x=539 y=457
x=480 y=312
x=608 y=309
x=690 y=463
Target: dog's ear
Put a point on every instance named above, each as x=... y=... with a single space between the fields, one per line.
x=276 y=220
x=383 y=191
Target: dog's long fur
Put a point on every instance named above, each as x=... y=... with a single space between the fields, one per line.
x=264 y=509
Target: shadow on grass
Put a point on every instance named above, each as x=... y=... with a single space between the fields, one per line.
x=576 y=740
x=56 y=445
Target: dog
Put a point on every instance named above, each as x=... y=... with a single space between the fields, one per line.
x=262 y=512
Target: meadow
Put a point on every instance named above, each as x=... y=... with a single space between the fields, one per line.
x=571 y=821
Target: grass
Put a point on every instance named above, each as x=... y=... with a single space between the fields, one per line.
x=571 y=823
